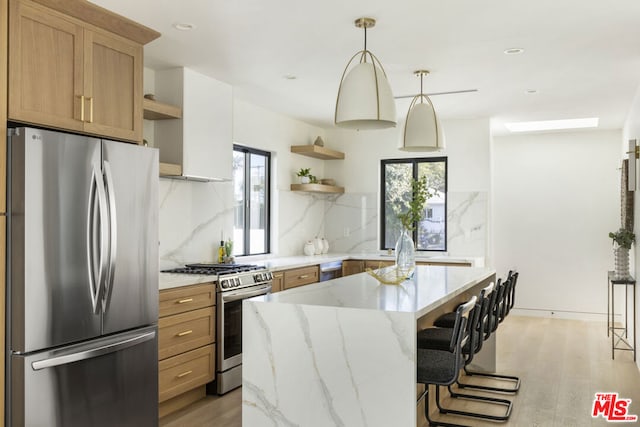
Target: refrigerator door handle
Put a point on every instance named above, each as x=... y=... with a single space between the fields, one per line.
x=75 y=356
x=113 y=235
x=96 y=284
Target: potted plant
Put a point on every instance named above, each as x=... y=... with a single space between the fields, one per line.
x=305 y=175
x=622 y=241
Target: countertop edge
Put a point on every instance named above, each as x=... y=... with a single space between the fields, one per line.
x=173 y=280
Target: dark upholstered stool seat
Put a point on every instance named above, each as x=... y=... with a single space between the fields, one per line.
x=446 y=320
x=440 y=339
x=437 y=366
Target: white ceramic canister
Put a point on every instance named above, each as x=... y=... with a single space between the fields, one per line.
x=325 y=246
x=317 y=242
x=309 y=248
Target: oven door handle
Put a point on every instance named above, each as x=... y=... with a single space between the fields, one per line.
x=244 y=295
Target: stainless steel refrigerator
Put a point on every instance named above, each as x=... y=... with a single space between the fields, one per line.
x=82 y=281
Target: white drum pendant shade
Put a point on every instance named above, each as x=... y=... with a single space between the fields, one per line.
x=365 y=100
x=422 y=129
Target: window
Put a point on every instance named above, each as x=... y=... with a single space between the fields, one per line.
x=251 y=181
x=430 y=233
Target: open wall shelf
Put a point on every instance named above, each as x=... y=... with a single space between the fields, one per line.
x=317 y=152
x=317 y=188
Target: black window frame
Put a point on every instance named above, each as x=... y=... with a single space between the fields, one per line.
x=247 y=151
x=414 y=161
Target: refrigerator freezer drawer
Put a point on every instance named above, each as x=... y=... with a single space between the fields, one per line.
x=109 y=381
x=186 y=371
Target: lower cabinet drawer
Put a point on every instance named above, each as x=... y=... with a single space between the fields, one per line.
x=186 y=371
x=301 y=276
x=185 y=331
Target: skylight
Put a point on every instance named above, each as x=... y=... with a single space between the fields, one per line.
x=590 y=122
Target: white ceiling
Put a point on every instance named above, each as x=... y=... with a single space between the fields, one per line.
x=582 y=56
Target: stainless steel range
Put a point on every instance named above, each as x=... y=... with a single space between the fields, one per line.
x=234 y=283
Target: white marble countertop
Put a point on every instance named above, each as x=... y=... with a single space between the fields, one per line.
x=173 y=280
x=429 y=287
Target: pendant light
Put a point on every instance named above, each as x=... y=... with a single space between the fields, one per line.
x=364 y=99
x=422 y=130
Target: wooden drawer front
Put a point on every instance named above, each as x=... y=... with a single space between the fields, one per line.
x=301 y=276
x=186 y=371
x=186 y=331
x=374 y=265
x=186 y=298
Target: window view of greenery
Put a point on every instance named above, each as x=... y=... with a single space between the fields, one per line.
x=430 y=231
x=251 y=175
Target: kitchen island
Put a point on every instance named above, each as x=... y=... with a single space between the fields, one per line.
x=343 y=352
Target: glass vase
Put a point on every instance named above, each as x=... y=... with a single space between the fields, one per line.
x=405 y=254
x=621 y=262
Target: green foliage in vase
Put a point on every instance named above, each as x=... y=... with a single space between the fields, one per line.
x=623 y=237
x=415 y=206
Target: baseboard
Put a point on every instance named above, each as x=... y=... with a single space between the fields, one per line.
x=560 y=314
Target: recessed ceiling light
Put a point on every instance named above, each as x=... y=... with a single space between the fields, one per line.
x=531 y=91
x=590 y=122
x=183 y=26
x=514 y=51
x=290 y=77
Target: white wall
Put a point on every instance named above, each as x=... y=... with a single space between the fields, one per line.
x=555 y=199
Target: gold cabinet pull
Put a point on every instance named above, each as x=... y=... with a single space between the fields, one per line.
x=182 y=334
x=304 y=276
x=184 y=301
x=90 y=109
x=184 y=374
x=82 y=108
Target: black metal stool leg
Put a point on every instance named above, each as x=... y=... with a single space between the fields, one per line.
x=425 y=396
x=491 y=400
x=497 y=377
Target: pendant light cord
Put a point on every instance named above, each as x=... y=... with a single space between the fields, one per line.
x=421 y=91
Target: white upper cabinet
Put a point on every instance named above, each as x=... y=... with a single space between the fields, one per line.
x=202 y=140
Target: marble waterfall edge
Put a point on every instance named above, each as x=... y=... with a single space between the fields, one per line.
x=299 y=366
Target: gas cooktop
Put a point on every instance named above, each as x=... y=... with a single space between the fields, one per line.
x=229 y=276
x=214 y=269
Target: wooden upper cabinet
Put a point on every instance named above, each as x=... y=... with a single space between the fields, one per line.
x=68 y=74
x=45 y=68
x=113 y=86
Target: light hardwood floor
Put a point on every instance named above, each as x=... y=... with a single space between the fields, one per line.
x=562 y=364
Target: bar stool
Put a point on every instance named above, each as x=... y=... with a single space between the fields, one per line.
x=442 y=367
x=503 y=305
x=437 y=338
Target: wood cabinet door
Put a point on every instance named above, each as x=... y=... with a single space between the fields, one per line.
x=45 y=67
x=112 y=86
x=278 y=282
x=376 y=264
x=350 y=267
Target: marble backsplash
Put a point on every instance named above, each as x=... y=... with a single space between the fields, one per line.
x=193 y=215
x=351 y=223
